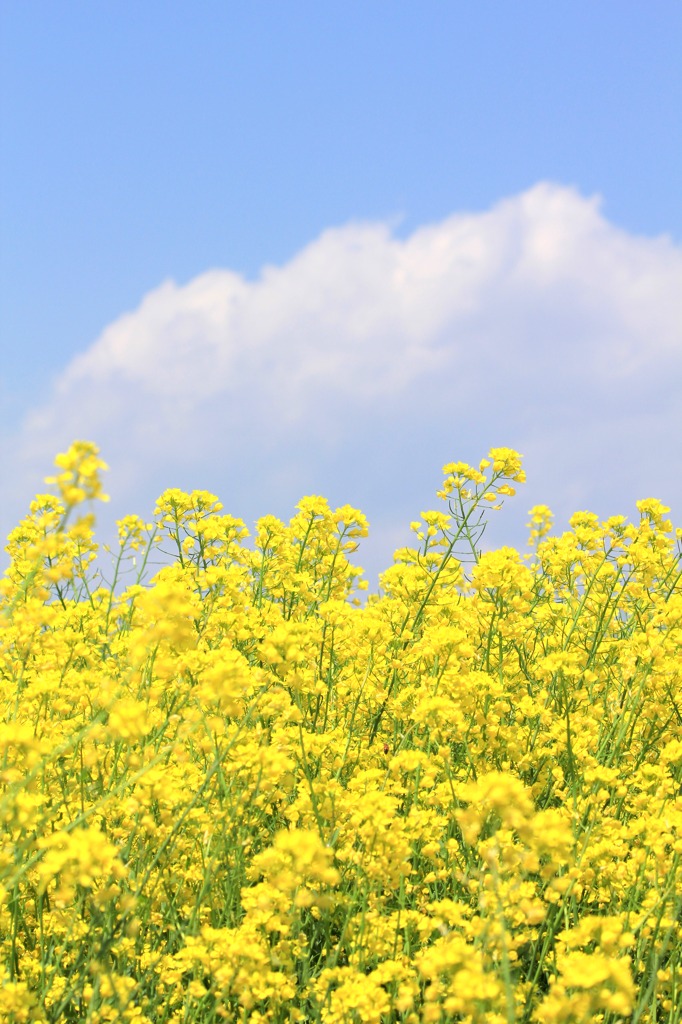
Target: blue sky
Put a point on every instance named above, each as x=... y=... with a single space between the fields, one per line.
x=349 y=242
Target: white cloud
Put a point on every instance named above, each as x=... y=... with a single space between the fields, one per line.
x=367 y=360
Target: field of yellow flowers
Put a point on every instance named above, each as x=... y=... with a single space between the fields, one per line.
x=231 y=790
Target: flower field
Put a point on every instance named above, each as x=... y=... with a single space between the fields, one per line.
x=233 y=790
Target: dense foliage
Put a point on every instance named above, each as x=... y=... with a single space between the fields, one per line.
x=232 y=791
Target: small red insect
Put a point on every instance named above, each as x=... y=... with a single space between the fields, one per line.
x=385 y=748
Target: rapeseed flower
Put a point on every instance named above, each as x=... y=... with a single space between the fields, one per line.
x=230 y=791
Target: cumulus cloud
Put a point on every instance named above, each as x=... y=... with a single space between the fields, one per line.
x=368 y=359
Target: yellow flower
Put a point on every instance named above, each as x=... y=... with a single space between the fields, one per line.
x=80 y=477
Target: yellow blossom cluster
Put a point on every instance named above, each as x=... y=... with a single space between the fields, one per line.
x=231 y=790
